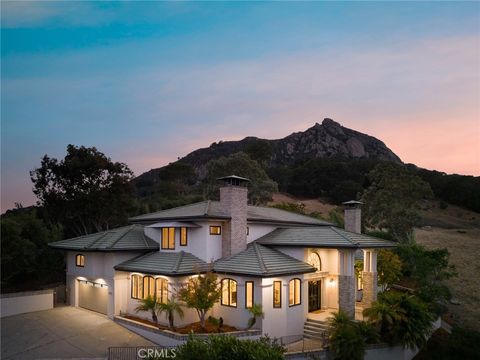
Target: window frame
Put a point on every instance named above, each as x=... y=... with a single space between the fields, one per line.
x=148 y=277
x=295 y=280
x=163 y=287
x=170 y=240
x=279 y=306
x=82 y=262
x=229 y=281
x=253 y=294
x=215 y=227
x=139 y=286
x=183 y=231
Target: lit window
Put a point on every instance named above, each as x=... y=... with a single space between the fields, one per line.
x=315 y=261
x=294 y=297
x=161 y=289
x=183 y=236
x=249 y=294
x=168 y=238
x=80 y=260
x=148 y=287
x=277 y=294
x=137 y=289
x=215 y=230
x=229 y=292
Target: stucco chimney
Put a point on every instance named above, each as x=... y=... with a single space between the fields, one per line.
x=353 y=216
x=233 y=201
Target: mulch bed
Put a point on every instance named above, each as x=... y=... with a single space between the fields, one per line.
x=187 y=329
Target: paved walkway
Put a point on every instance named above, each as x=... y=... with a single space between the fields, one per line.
x=63 y=333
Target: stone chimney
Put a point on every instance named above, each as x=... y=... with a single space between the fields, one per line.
x=233 y=201
x=353 y=216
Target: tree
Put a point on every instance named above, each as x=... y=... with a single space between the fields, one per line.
x=261 y=186
x=389 y=268
x=86 y=191
x=150 y=303
x=391 y=201
x=170 y=308
x=201 y=293
x=256 y=311
x=402 y=319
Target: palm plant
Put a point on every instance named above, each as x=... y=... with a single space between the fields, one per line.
x=256 y=311
x=347 y=340
x=170 y=308
x=150 y=303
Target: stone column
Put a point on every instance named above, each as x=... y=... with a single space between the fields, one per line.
x=346 y=282
x=369 y=278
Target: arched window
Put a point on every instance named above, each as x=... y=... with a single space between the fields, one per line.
x=229 y=292
x=80 y=260
x=137 y=286
x=148 y=286
x=315 y=261
x=161 y=289
x=295 y=290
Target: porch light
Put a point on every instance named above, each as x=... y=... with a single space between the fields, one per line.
x=331 y=282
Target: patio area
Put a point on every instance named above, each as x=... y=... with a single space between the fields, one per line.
x=324 y=314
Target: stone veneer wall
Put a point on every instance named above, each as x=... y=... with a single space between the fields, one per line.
x=346 y=294
x=234 y=201
x=370 y=288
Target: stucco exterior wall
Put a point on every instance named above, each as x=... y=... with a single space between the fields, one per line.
x=25 y=302
x=256 y=231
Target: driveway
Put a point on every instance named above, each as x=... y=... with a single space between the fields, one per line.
x=63 y=333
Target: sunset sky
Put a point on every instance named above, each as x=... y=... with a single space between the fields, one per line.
x=147 y=82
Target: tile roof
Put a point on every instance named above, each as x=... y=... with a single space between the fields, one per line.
x=322 y=236
x=126 y=238
x=165 y=263
x=258 y=260
x=212 y=210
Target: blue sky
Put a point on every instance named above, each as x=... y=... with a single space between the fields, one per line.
x=147 y=82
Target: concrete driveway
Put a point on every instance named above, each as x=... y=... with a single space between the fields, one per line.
x=63 y=333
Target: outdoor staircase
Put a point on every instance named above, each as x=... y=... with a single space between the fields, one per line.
x=315 y=329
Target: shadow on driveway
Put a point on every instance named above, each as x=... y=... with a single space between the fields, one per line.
x=63 y=333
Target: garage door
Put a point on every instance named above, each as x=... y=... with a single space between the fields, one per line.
x=93 y=296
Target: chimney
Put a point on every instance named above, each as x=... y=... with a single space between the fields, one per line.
x=353 y=216
x=233 y=201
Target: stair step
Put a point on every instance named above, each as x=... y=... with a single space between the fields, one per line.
x=313 y=337
x=317 y=321
x=315 y=328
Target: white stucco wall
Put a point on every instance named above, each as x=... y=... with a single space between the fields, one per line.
x=25 y=302
x=256 y=231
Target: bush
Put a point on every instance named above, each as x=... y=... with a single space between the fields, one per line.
x=229 y=347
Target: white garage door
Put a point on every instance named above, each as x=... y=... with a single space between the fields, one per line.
x=92 y=296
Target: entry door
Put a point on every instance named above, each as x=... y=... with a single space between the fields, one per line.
x=314 y=295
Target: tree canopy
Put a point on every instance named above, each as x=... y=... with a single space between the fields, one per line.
x=86 y=191
x=261 y=186
x=392 y=199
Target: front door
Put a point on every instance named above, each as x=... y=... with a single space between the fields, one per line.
x=314 y=295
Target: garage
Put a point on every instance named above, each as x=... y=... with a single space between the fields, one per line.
x=93 y=296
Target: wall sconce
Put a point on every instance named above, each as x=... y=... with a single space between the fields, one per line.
x=331 y=282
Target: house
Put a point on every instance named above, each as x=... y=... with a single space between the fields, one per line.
x=294 y=265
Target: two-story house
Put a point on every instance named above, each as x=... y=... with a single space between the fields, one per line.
x=294 y=265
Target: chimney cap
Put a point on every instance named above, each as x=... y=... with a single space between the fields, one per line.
x=352 y=203
x=234 y=180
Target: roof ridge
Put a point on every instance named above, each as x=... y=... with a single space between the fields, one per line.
x=207 y=207
x=121 y=236
x=343 y=236
x=178 y=262
x=263 y=268
x=95 y=240
x=163 y=210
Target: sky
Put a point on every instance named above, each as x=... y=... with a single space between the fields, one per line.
x=148 y=82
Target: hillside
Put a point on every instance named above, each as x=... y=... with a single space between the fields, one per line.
x=453 y=227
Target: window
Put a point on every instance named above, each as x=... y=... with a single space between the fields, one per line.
x=80 y=260
x=229 y=292
x=315 y=261
x=168 y=238
x=137 y=289
x=249 y=300
x=294 y=288
x=161 y=289
x=183 y=236
x=148 y=286
x=215 y=230
x=277 y=294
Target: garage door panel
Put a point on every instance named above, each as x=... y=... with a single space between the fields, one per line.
x=93 y=297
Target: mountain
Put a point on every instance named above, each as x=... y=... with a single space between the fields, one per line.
x=326 y=140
